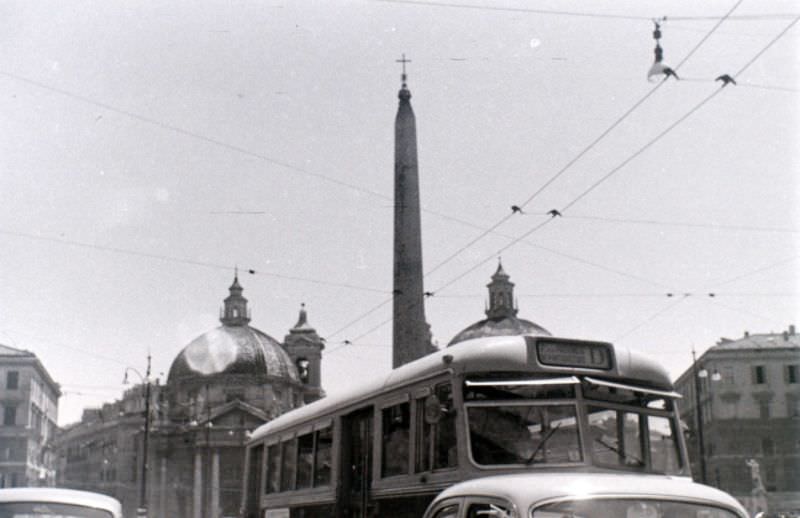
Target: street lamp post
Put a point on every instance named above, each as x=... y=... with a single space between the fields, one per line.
x=698 y=413
x=142 y=510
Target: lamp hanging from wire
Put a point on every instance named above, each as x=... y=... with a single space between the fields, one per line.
x=659 y=69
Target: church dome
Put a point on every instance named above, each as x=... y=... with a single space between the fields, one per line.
x=501 y=316
x=233 y=348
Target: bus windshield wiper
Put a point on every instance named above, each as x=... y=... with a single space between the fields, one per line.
x=625 y=456
x=544 y=440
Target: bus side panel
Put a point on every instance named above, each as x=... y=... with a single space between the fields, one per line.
x=396 y=507
x=313 y=511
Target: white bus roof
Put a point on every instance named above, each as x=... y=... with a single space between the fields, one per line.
x=490 y=354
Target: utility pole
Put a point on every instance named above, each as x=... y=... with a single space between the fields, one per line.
x=143 y=494
x=701 y=447
x=141 y=511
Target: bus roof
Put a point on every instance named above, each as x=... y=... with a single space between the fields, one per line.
x=490 y=354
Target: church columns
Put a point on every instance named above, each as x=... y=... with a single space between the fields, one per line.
x=198 y=485
x=214 y=511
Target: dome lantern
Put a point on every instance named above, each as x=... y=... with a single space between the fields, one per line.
x=235 y=312
x=501 y=295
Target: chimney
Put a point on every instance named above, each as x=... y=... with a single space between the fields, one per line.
x=791 y=329
x=786 y=336
x=747 y=334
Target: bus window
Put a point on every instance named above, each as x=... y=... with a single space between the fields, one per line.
x=288 y=464
x=663 y=450
x=396 y=429
x=477 y=389
x=305 y=458
x=322 y=457
x=616 y=437
x=273 y=467
x=503 y=433
x=436 y=430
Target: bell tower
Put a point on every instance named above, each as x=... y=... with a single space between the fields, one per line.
x=305 y=347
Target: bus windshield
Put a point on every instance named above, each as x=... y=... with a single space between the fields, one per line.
x=523 y=421
x=629 y=508
x=527 y=422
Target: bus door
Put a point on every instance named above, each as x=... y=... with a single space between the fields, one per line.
x=356 y=463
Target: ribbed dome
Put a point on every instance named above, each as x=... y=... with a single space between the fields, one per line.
x=501 y=326
x=238 y=349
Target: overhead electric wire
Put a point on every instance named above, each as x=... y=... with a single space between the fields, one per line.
x=211 y=141
x=738 y=310
x=180 y=260
x=192 y=134
x=587 y=148
x=652 y=317
x=616 y=169
x=768 y=87
x=758 y=270
x=582 y=14
x=680 y=120
x=739 y=228
x=360 y=317
x=697 y=294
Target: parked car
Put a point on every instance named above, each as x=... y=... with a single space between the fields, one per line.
x=49 y=502
x=583 y=495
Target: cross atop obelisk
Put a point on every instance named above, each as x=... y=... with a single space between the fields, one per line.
x=403 y=60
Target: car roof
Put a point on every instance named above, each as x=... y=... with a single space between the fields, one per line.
x=62 y=496
x=527 y=489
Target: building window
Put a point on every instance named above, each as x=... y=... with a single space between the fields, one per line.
x=728 y=377
x=763 y=409
x=791 y=374
x=12 y=380
x=759 y=375
x=792 y=406
x=9 y=415
x=767 y=446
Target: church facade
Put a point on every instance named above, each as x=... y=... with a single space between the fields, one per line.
x=220 y=387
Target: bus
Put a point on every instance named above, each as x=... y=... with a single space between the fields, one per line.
x=483 y=407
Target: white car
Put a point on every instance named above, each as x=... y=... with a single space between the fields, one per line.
x=49 y=502
x=583 y=495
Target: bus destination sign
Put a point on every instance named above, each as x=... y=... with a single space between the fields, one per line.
x=588 y=355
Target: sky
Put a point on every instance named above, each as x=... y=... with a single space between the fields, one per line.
x=148 y=149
